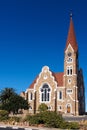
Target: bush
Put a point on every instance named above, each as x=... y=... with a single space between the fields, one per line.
x=3 y=115
x=51 y=119
x=73 y=125
x=15 y=119
x=48 y=118
x=34 y=119
x=43 y=107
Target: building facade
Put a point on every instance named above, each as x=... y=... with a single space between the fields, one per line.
x=62 y=92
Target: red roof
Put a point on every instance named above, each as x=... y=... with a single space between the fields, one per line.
x=58 y=78
x=71 y=39
x=32 y=85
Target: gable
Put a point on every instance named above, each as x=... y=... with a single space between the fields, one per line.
x=56 y=77
x=69 y=48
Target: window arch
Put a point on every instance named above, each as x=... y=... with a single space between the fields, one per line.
x=60 y=95
x=45 y=93
x=31 y=96
x=69 y=70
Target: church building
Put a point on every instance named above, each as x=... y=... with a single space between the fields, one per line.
x=62 y=92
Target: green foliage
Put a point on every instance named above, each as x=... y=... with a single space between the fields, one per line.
x=51 y=119
x=35 y=119
x=3 y=115
x=72 y=125
x=42 y=107
x=17 y=102
x=5 y=94
x=16 y=119
x=11 y=101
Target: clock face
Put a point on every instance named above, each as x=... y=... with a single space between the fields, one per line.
x=69 y=54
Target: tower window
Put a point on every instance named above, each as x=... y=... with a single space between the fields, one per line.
x=69 y=60
x=69 y=91
x=69 y=81
x=69 y=70
x=45 y=93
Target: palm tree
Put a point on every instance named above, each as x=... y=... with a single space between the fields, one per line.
x=5 y=94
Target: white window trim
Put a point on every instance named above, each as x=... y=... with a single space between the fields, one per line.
x=69 y=61
x=50 y=108
x=45 y=77
x=30 y=109
x=29 y=96
x=59 y=107
x=69 y=69
x=68 y=92
x=58 y=95
x=49 y=93
x=70 y=81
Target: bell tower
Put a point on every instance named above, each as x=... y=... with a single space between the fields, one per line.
x=71 y=72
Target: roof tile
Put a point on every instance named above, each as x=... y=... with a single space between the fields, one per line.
x=71 y=39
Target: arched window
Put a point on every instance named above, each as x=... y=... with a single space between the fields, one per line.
x=45 y=93
x=60 y=95
x=69 y=70
x=69 y=60
x=31 y=96
x=30 y=108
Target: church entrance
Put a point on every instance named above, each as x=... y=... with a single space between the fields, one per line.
x=68 y=108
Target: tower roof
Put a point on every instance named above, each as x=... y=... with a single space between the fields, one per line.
x=71 y=39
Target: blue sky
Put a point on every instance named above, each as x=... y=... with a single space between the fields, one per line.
x=33 y=34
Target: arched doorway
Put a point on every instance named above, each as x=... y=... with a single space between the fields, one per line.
x=68 y=108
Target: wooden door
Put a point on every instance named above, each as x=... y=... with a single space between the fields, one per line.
x=68 y=108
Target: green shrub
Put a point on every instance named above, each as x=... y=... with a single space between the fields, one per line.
x=69 y=125
x=34 y=119
x=28 y=117
x=3 y=115
x=73 y=125
x=51 y=119
x=16 y=119
x=42 y=107
x=48 y=118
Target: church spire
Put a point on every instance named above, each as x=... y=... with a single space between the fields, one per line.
x=71 y=39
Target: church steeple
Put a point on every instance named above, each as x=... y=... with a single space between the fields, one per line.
x=71 y=39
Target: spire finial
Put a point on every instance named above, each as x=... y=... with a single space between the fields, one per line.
x=71 y=15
